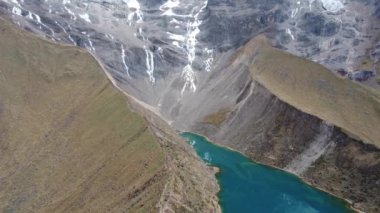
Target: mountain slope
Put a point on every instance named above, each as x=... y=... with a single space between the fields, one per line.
x=271 y=126
x=315 y=90
x=70 y=142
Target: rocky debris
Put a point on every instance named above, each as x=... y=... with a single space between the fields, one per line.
x=317 y=25
x=316 y=149
x=362 y=75
x=342 y=72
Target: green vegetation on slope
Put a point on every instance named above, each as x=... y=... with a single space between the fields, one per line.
x=217 y=118
x=68 y=140
x=313 y=89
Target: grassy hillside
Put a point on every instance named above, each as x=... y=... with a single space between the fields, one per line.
x=315 y=90
x=68 y=141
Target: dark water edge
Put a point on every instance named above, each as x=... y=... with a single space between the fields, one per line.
x=247 y=186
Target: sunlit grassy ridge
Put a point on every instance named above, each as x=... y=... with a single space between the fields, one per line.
x=313 y=89
x=68 y=140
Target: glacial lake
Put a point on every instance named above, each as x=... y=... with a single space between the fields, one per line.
x=247 y=186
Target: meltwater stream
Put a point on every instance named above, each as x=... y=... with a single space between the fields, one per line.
x=247 y=186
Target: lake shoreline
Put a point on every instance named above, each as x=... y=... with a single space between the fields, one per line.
x=348 y=202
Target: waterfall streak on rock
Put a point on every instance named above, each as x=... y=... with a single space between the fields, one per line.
x=149 y=64
x=190 y=45
x=123 y=60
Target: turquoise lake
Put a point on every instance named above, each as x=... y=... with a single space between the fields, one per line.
x=247 y=186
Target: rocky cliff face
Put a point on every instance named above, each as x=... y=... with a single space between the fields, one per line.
x=160 y=51
x=181 y=59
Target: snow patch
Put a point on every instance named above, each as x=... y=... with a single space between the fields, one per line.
x=16 y=11
x=167 y=8
x=110 y=36
x=176 y=43
x=73 y=16
x=209 y=60
x=175 y=21
x=332 y=5
x=189 y=76
x=169 y=5
x=85 y=17
x=133 y=4
x=289 y=32
x=135 y=9
x=176 y=37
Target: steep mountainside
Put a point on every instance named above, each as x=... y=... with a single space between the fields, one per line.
x=311 y=88
x=70 y=142
x=266 y=120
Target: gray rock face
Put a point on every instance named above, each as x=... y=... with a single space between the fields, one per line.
x=160 y=49
x=361 y=75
